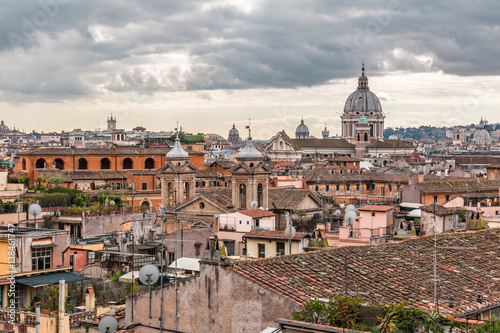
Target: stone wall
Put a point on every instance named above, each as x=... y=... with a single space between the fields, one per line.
x=218 y=300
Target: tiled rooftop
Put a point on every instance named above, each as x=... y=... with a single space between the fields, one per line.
x=390 y=272
x=255 y=213
x=459 y=186
x=272 y=234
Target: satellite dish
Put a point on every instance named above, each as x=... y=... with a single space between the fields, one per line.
x=254 y=204
x=350 y=217
x=108 y=324
x=149 y=274
x=35 y=210
x=112 y=203
x=290 y=232
x=337 y=213
x=350 y=207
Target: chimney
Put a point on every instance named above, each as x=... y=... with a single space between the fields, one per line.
x=420 y=177
x=90 y=299
x=112 y=308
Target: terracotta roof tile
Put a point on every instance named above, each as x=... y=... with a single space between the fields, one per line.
x=256 y=213
x=390 y=272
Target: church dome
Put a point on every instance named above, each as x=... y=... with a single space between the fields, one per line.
x=4 y=128
x=362 y=100
x=363 y=119
x=234 y=135
x=481 y=134
x=302 y=131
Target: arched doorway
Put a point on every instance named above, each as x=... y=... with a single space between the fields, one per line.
x=145 y=205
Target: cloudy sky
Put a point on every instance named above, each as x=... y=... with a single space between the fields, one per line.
x=208 y=64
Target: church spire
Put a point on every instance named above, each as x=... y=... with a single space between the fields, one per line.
x=363 y=79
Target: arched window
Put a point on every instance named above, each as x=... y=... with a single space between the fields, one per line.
x=105 y=164
x=128 y=164
x=40 y=164
x=145 y=206
x=186 y=190
x=170 y=193
x=359 y=138
x=59 y=164
x=23 y=164
x=243 y=196
x=82 y=164
x=149 y=163
x=260 y=194
x=365 y=137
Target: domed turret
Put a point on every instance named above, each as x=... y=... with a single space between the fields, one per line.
x=177 y=151
x=363 y=119
x=302 y=131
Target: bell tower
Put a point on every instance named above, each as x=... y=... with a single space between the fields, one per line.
x=177 y=176
x=250 y=177
x=111 y=123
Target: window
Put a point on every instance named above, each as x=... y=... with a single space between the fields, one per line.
x=447 y=197
x=398 y=187
x=495 y=312
x=262 y=250
x=59 y=164
x=144 y=186
x=435 y=199
x=280 y=248
x=202 y=205
x=171 y=257
x=41 y=258
x=357 y=187
x=127 y=163
x=327 y=188
x=257 y=223
x=229 y=244
x=149 y=163
x=316 y=188
x=240 y=221
x=40 y=163
x=105 y=164
x=338 y=188
x=248 y=222
x=348 y=187
x=81 y=164
x=390 y=188
x=373 y=187
x=382 y=190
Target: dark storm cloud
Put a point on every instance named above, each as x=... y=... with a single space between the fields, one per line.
x=66 y=48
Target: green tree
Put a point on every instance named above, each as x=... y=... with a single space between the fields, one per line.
x=56 y=180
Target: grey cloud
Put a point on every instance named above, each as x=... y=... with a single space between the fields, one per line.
x=279 y=43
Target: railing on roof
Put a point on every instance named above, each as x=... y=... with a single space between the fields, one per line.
x=75 y=319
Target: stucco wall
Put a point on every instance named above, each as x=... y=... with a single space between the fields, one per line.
x=216 y=301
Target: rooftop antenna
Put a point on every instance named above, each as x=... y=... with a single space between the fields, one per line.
x=249 y=130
